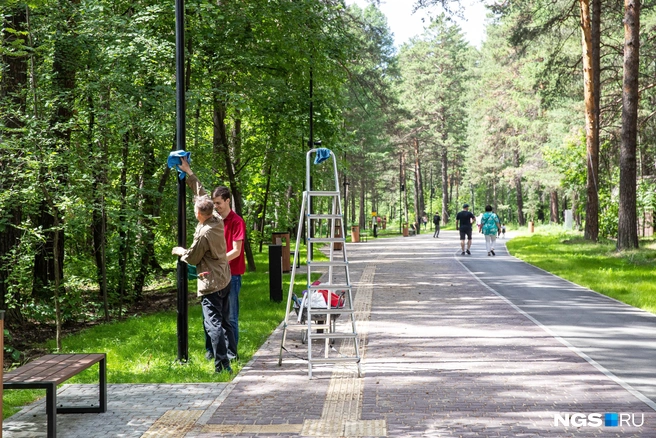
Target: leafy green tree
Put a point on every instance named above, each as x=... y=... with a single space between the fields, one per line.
x=435 y=69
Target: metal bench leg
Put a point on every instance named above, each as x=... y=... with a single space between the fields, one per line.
x=51 y=409
x=102 y=378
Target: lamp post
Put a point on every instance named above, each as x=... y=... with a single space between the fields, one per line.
x=183 y=321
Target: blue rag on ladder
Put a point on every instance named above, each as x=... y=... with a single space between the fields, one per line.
x=322 y=155
x=174 y=160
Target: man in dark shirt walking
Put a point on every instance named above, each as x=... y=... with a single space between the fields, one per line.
x=436 y=221
x=464 y=220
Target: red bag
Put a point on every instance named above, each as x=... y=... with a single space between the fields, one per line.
x=335 y=299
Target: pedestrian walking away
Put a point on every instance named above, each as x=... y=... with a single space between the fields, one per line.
x=490 y=227
x=464 y=220
x=436 y=221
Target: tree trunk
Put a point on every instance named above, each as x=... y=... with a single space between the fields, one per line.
x=220 y=146
x=591 y=124
x=99 y=216
x=627 y=236
x=418 y=184
x=124 y=229
x=146 y=239
x=264 y=206
x=361 y=219
x=404 y=193
x=518 y=189
x=553 y=203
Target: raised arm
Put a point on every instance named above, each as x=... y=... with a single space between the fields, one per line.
x=192 y=181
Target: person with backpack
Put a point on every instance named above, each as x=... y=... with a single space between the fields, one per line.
x=436 y=221
x=490 y=226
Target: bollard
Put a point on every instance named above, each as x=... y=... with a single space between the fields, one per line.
x=275 y=273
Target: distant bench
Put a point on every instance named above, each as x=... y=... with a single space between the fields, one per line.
x=51 y=370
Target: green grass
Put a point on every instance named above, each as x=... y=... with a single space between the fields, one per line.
x=143 y=349
x=627 y=276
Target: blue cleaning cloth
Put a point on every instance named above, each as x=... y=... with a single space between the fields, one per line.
x=174 y=160
x=322 y=155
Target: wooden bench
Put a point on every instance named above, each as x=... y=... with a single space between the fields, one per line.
x=51 y=370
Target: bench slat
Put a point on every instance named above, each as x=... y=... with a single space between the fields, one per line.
x=52 y=368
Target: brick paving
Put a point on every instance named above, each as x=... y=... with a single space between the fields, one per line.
x=443 y=357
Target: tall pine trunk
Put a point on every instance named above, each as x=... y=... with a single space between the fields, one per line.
x=419 y=191
x=627 y=236
x=404 y=193
x=591 y=122
x=518 y=188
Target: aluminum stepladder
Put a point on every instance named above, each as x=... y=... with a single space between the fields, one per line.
x=332 y=215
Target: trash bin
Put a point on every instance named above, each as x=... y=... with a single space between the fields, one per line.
x=405 y=230
x=531 y=227
x=338 y=233
x=275 y=273
x=282 y=238
x=355 y=234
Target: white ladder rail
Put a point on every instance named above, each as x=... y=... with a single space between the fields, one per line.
x=291 y=281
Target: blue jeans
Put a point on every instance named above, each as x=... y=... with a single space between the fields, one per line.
x=235 y=287
x=232 y=318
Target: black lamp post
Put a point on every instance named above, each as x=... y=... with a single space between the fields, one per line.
x=183 y=321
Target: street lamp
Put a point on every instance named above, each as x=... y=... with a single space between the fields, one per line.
x=183 y=321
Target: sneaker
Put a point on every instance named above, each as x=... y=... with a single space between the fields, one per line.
x=488 y=254
x=468 y=252
x=462 y=253
x=223 y=368
x=492 y=251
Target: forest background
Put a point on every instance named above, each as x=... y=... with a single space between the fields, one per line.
x=554 y=112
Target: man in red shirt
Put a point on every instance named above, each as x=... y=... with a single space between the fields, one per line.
x=235 y=233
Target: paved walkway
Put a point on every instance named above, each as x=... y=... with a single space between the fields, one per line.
x=452 y=346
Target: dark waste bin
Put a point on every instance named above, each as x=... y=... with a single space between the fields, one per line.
x=275 y=273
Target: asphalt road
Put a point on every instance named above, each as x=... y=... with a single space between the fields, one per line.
x=617 y=338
